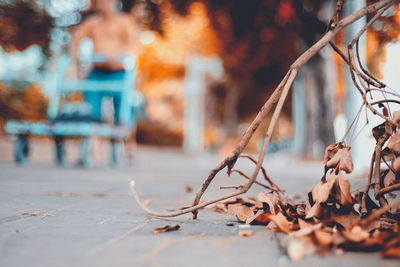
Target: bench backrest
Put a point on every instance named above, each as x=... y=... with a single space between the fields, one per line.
x=62 y=85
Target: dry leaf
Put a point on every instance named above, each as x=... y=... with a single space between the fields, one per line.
x=378 y=131
x=331 y=150
x=263 y=218
x=321 y=191
x=345 y=195
x=166 y=228
x=388 y=128
x=188 y=189
x=389 y=179
x=296 y=250
x=232 y=200
x=391 y=252
x=323 y=238
x=218 y=207
x=252 y=218
x=241 y=211
x=394 y=142
x=272 y=226
x=303 y=224
x=342 y=159
x=357 y=234
x=387 y=154
x=281 y=221
x=396 y=164
x=306 y=230
x=315 y=211
x=269 y=199
x=396 y=116
x=245 y=233
x=345 y=220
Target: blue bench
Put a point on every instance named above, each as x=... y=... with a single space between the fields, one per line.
x=59 y=86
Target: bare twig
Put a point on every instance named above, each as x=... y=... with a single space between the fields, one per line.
x=335 y=17
x=256 y=182
x=231 y=187
x=376 y=173
x=377 y=213
x=388 y=189
x=364 y=209
x=264 y=172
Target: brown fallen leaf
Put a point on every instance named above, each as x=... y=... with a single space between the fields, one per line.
x=314 y=211
x=303 y=224
x=356 y=234
x=391 y=252
x=306 y=230
x=378 y=131
x=242 y=212
x=321 y=191
x=263 y=218
x=40 y=214
x=396 y=164
x=218 y=207
x=296 y=250
x=396 y=116
x=245 y=233
x=272 y=226
x=345 y=195
x=323 y=238
x=331 y=150
x=348 y=221
x=269 y=199
x=252 y=218
x=166 y=228
x=281 y=221
x=394 y=142
x=389 y=178
x=342 y=159
x=188 y=189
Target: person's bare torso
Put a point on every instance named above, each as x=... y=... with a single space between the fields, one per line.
x=110 y=37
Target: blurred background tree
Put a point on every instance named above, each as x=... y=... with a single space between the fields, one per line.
x=256 y=40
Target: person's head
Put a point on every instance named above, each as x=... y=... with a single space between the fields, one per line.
x=105 y=7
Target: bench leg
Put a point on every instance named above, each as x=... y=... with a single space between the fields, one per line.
x=117 y=152
x=21 y=152
x=85 y=152
x=60 y=152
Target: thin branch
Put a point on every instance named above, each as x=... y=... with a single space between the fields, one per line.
x=256 y=182
x=388 y=189
x=231 y=187
x=379 y=212
x=266 y=177
x=336 y=14
x=385 y=101
x=364 y=209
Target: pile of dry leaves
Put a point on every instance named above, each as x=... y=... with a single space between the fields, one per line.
x=331 y=217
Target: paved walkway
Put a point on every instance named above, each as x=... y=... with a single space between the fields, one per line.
x=89 y=218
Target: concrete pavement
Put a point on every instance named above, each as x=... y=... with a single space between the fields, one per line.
x=63 y=216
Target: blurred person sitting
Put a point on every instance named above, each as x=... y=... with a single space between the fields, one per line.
x=114 y=35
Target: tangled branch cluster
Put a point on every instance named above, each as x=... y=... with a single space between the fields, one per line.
x=330 y=209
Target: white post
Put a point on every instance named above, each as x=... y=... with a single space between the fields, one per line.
x=362 y=142
x=195 y=90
